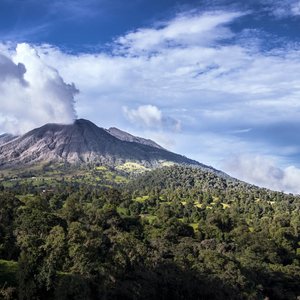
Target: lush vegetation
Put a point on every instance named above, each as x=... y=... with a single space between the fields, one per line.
x=172 y=233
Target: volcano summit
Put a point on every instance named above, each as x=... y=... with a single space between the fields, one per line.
x=82 y=143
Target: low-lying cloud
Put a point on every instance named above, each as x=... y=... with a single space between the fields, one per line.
x=32 y=92
x=150 y=116
x=264 y=171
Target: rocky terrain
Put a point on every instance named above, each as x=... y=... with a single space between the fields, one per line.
x=80 y=143
x=5 y=138
x=125 y=136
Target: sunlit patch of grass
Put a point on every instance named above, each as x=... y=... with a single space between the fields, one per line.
x=141 y=199
x=167 y=163
x=197 y=204
x=194 y=226
x=251 y=229
x=48 y=178
x=120 y=179
x=132 y=167
x=101 y=168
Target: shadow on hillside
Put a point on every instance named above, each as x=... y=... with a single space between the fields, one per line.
x=161 y=283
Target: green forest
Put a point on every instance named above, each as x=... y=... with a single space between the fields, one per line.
x=172 y=233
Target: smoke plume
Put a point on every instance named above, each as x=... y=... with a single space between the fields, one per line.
x=32 y=93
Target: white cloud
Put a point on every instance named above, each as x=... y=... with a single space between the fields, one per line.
x=150 y=116
x=33 y=93
x=186 y=30
x=295 y=8
x=283 y=8
x=264 y=171
x=220 y=83
x=146 y=115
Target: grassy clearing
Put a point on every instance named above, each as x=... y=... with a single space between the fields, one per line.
x=225 y=205
x=251 y=229
x=167 y=163
x=120 y=179
x=197 y=204
x=141 y=199
x=101 y=168
x=48 y=177
x=132 y=167
x=194 y=226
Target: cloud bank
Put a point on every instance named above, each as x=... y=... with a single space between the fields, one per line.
x=32 y=92
x=264 y=171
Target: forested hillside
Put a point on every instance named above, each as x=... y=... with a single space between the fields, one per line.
x=172 y=233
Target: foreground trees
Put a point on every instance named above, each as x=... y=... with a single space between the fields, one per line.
x=177 y=233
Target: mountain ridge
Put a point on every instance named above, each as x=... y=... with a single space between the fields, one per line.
x=84 y=142
x=125 y=136
x=6 y=137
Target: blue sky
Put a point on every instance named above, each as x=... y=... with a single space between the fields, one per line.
x=217 y=81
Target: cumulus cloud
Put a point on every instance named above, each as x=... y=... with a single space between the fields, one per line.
x=11 y=71
x=185 y=30
x=32 y=92
x=264 y=171
x=150 y=116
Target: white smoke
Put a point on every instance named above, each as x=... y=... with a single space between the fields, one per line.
x=32 y=93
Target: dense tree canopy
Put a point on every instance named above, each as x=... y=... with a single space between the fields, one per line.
x=173 y=233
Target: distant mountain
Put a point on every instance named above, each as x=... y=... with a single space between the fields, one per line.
x=125 y=136
x=83 y=142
